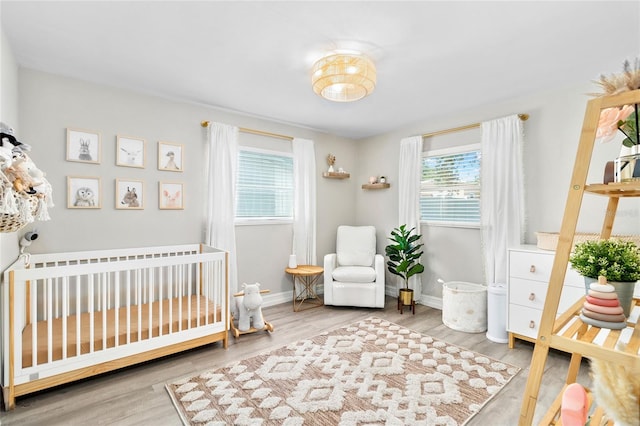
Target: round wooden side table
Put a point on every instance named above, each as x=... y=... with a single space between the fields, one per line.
x=306 y=276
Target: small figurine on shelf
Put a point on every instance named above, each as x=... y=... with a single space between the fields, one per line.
x=331 y=160
x=382 y=179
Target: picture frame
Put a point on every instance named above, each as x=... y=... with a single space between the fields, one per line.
x=83 y=146
x=84 y=192
x=170 y=196
x=130 y=194
x=130 y=151
x=170 y=157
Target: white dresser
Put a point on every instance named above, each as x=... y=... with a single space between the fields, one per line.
x=528 y=277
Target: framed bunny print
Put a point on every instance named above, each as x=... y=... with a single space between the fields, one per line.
x=83 y=146
x=83 y=192
x=171 y=196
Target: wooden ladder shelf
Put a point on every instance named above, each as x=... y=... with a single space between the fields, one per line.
x=567 y=332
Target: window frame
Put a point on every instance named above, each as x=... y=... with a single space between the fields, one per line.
x=263 y=220
x=451 y=151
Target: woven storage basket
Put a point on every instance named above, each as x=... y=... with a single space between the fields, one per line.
x=13 y=222
x=549 y=240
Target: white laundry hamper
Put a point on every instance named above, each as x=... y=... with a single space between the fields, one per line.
x=464 y=306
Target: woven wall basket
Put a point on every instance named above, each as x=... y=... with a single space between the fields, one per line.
x=13 y=222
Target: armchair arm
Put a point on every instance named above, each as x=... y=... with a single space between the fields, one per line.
x=380 y=284
x=380 y=269
x=330 y=263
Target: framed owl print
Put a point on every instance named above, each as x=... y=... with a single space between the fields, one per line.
x=83 y=192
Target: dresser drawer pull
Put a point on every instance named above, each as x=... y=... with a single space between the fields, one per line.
x=532 y=324
x=532 y=269
x=532 y=297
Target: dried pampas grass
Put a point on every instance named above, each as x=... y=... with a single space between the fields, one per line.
x=617 y=391
x=618 y=83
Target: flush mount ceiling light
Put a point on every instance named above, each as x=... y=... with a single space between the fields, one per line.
x=343 y=77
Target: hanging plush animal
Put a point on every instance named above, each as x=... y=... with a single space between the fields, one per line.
x=250 y=308
x=8 y=145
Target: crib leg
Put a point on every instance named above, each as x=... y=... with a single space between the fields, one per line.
x=9 y=398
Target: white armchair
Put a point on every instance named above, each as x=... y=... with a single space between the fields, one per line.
x=354 y=275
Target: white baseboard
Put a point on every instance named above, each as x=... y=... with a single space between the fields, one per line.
x=431 y=301
x=271 y=299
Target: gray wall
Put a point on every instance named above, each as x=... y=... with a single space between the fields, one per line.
x=8 y=115
x=551 y=139
x=49 y=104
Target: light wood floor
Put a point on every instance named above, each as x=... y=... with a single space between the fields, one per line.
x=136 y=395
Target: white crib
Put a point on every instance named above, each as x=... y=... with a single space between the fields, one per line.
x=69 y=316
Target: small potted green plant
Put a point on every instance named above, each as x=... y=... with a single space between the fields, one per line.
x=618 y=261
x=404 y=258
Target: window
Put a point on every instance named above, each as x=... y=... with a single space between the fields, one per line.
x=265 y=185
x=450 y=187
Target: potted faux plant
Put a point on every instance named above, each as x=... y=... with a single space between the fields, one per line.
x=404 y=259
x=618 y=261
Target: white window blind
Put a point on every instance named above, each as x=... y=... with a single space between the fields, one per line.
x=265 y=185
x=450 y=186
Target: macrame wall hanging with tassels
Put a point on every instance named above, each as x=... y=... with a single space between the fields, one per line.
x=25 y=193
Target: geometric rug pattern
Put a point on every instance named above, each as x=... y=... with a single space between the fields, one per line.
x=372 y=372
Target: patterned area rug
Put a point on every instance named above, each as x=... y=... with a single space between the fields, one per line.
x=371 y=372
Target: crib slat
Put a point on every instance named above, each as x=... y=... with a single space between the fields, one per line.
x=78 y=316
x=34 y=324
x=56 y=299
x=138 y=285
x=49 y=302
x=170 y=286
x=128 y=307
x=92 y=323
x=180 y=294
x=161 y=306
x=149 y=301
x=189 y=284
x=103 y=280
x=198 y=291
x=65 y=314
x=116 y=283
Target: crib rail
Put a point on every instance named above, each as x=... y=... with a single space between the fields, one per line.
x=73 y=310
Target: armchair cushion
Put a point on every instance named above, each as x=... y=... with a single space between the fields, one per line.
x=356 y=245
x=354 y=274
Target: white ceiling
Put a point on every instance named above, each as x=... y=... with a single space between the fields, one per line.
x=433 y=58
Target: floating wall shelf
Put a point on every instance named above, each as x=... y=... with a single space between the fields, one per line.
x=376 y=185
x=336 y=175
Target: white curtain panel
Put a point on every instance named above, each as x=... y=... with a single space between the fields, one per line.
x=221 y=196
x=409 y=174
x=304 y=204
x=502 y=193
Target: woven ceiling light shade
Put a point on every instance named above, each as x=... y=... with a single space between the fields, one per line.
x=343 y=77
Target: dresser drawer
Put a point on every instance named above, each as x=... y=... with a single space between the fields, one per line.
x=530 y=265
x=524 y=321
x=527 y=293
x=538 y=266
